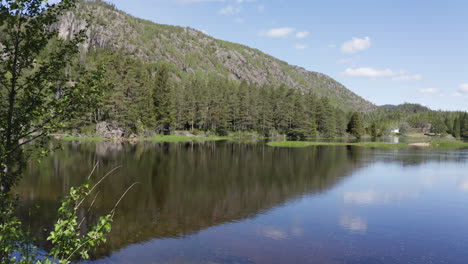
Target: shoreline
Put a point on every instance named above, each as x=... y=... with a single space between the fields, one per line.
x=384 y=145
x=424 y=144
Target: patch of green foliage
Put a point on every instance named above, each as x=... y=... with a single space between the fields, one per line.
x=176 y=138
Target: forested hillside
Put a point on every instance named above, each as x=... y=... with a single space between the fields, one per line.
x=164 y=78
x=192 y=51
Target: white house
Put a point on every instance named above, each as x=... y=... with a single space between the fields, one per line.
x=395 y=130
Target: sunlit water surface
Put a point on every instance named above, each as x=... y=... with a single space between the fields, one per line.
x=235 y=203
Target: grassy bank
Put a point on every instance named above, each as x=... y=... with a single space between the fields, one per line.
x=176 y=138
x=433 y=144
x=449 y=144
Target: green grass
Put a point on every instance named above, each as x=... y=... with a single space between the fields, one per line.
x=176 y=138
x=72 y=138
x=415 y=135
x=301 y=144
x=449 y=144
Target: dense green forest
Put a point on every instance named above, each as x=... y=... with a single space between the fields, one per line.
x=157 y=98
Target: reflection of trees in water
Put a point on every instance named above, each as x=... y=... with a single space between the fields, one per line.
x=418 y=156
x=187 y=187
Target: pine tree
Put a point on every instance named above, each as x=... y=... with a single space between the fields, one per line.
x=299 y=127
x=326 y=118
x=449 y=124
x=374 y=132
x=456 y=128
x=245 y=110
x=341 y=122
x=438 y=126
x=464 y=128
x=355 y=126
x=313 y=127
x=280 y=109
x=265 y=111
x=163 y=105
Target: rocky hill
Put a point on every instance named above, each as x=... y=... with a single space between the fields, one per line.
x=193 y=51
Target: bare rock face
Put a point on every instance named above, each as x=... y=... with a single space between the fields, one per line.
x=109 y=130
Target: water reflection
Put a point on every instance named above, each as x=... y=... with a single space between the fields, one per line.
x=185 y=187
x=353 y=223
x=222 y=202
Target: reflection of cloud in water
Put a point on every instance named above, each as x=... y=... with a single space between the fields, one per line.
x=373 y=197
x=277 y=233
x=273 y=233
x=297 y=231
x=353 y=223
x=463 y=185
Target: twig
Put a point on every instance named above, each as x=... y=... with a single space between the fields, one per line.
x=105 y=176
x=94 y=168
x=123 y=195
x=90 y=207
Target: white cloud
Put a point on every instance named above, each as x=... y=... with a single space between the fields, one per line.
x=229 y=10
x=407 y=77
x=369 y=72
x=282 y=32
x=463 y=88
x=429 y=91
x=300 y=46
x=355 y=45
x=373 y=73
x=302 y=34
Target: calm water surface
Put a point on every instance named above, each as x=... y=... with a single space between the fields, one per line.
x=221 y=202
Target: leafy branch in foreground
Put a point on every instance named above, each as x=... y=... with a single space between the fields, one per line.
x=68 y=242
x=37 y=93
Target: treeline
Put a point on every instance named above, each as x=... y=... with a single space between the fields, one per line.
x=159 y=98
x=154 y=97
x=415 y=118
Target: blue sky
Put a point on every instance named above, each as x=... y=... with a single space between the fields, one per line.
x=388 y=52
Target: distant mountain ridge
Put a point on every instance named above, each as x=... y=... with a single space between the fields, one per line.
x=406 y=108
x=195 y=52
